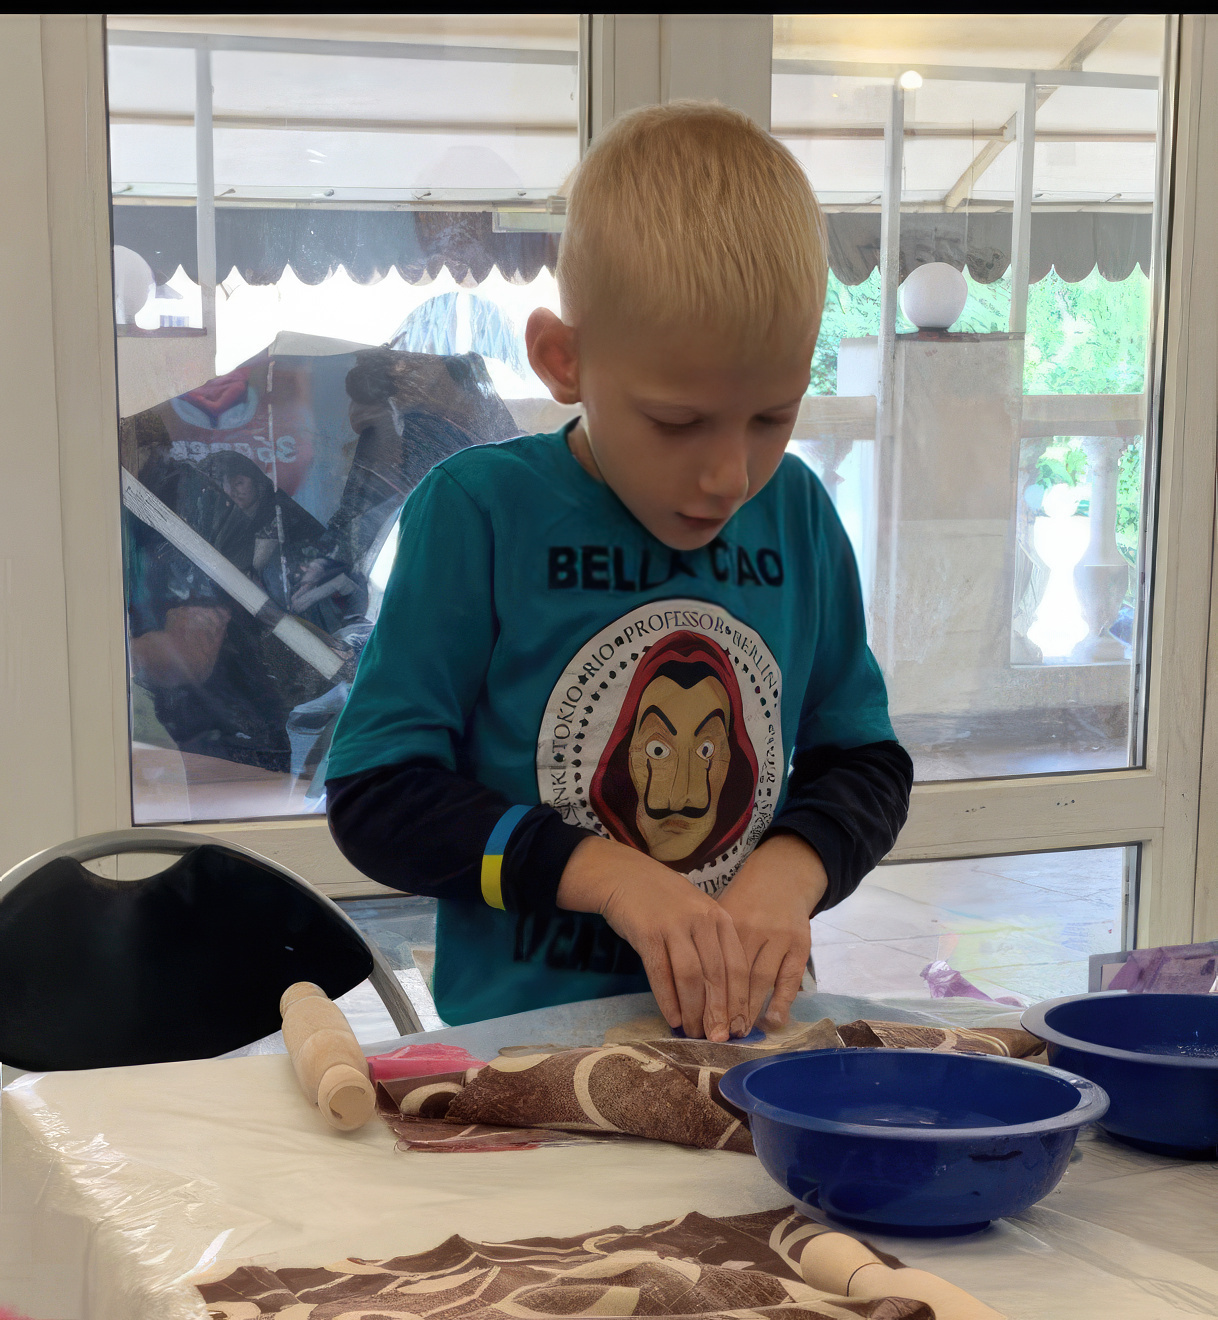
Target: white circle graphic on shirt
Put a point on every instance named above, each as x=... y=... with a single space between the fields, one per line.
x=664 y=731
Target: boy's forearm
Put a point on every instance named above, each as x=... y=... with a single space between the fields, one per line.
x=848 y=805
x=586 y=881
x=596 y=869
x=422 y=828
x=798 y=862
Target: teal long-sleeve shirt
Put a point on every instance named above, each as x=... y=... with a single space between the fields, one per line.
x=534 y=638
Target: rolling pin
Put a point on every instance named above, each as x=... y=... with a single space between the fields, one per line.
x=329 y=1064
x=835 y=1263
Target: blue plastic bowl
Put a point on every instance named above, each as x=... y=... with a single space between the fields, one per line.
x=1155 y=1055
x=912 y=1141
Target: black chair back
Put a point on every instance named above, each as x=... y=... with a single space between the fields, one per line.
x=185 y=964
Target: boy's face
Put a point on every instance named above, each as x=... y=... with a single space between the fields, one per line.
x=679 y=426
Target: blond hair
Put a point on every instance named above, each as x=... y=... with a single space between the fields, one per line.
x=688 y=213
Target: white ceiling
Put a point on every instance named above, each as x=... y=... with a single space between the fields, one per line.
x=521 y=120
x=521 y=31
x=250 y=160
x=453 y=124
x=1009 y=41
x=1070 y=169
x=154 y=79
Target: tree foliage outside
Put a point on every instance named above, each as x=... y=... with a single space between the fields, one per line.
x=1129 y=502
x=1091 y=338
x=1084 y=338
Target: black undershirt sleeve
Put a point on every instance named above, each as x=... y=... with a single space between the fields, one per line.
x=422 y=828
x=849 y=804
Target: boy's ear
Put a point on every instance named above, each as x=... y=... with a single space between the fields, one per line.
x=554 y=354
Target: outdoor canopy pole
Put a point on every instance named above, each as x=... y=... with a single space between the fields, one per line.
x=205 y=194
x=291 y=631
x=1021 y=213
x=888 y=446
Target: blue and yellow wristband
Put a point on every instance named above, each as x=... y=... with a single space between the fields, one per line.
x=492 y=858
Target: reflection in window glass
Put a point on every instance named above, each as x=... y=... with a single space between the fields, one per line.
x=315 y=301
x=990 y=474
x=1019 y=928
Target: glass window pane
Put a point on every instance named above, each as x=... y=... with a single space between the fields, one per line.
x=996 y=506
x=380 y=230
x=1019 y=928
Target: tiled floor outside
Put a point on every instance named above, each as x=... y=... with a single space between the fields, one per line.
x=1021 y=926
x=398 y=923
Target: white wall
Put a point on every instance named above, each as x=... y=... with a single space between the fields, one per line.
x=62 y=701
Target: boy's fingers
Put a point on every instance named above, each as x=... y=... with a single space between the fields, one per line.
x=786 y=987
x=762 y=975
x=659 y=977
x=714 y=974
x=736 y=965
x=690 y=986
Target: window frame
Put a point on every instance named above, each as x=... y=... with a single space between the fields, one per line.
x=66 y=642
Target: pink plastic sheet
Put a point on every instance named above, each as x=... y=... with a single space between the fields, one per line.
x=421 y=1061
x=1181 y=969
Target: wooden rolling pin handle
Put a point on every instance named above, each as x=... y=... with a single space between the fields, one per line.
x=327 y=1059
x=300 y=990
x=830 y=1261
x=947 y=1301
x=345 y=1097
x=839 y=1264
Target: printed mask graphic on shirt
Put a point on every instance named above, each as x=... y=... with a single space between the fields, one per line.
x=679 y=755
x=664 y=733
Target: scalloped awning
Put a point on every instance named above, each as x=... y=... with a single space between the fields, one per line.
x=260 y=242
x=1073 y=243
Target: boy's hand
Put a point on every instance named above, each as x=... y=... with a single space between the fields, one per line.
x=770 y=900
x=690 y=950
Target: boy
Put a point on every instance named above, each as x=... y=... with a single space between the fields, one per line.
x=618 y=712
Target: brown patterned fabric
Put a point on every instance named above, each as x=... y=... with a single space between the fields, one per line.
x=741 y=1266
x=667 y=1090
x=1009 y=1042
x=416 y=1109
x=439 y=1136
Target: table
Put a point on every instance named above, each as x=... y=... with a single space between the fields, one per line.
x=121 y=1185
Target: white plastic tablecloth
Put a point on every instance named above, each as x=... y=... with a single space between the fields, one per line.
x=122 y=1185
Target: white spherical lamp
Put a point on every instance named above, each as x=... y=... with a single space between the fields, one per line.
x=933 y=296
x=134 y=284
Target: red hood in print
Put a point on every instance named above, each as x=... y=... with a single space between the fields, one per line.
x=678 y=775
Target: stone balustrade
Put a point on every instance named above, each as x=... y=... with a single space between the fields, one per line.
x=829 y=427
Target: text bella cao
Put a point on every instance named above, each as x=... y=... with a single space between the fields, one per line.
x=614 y=568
